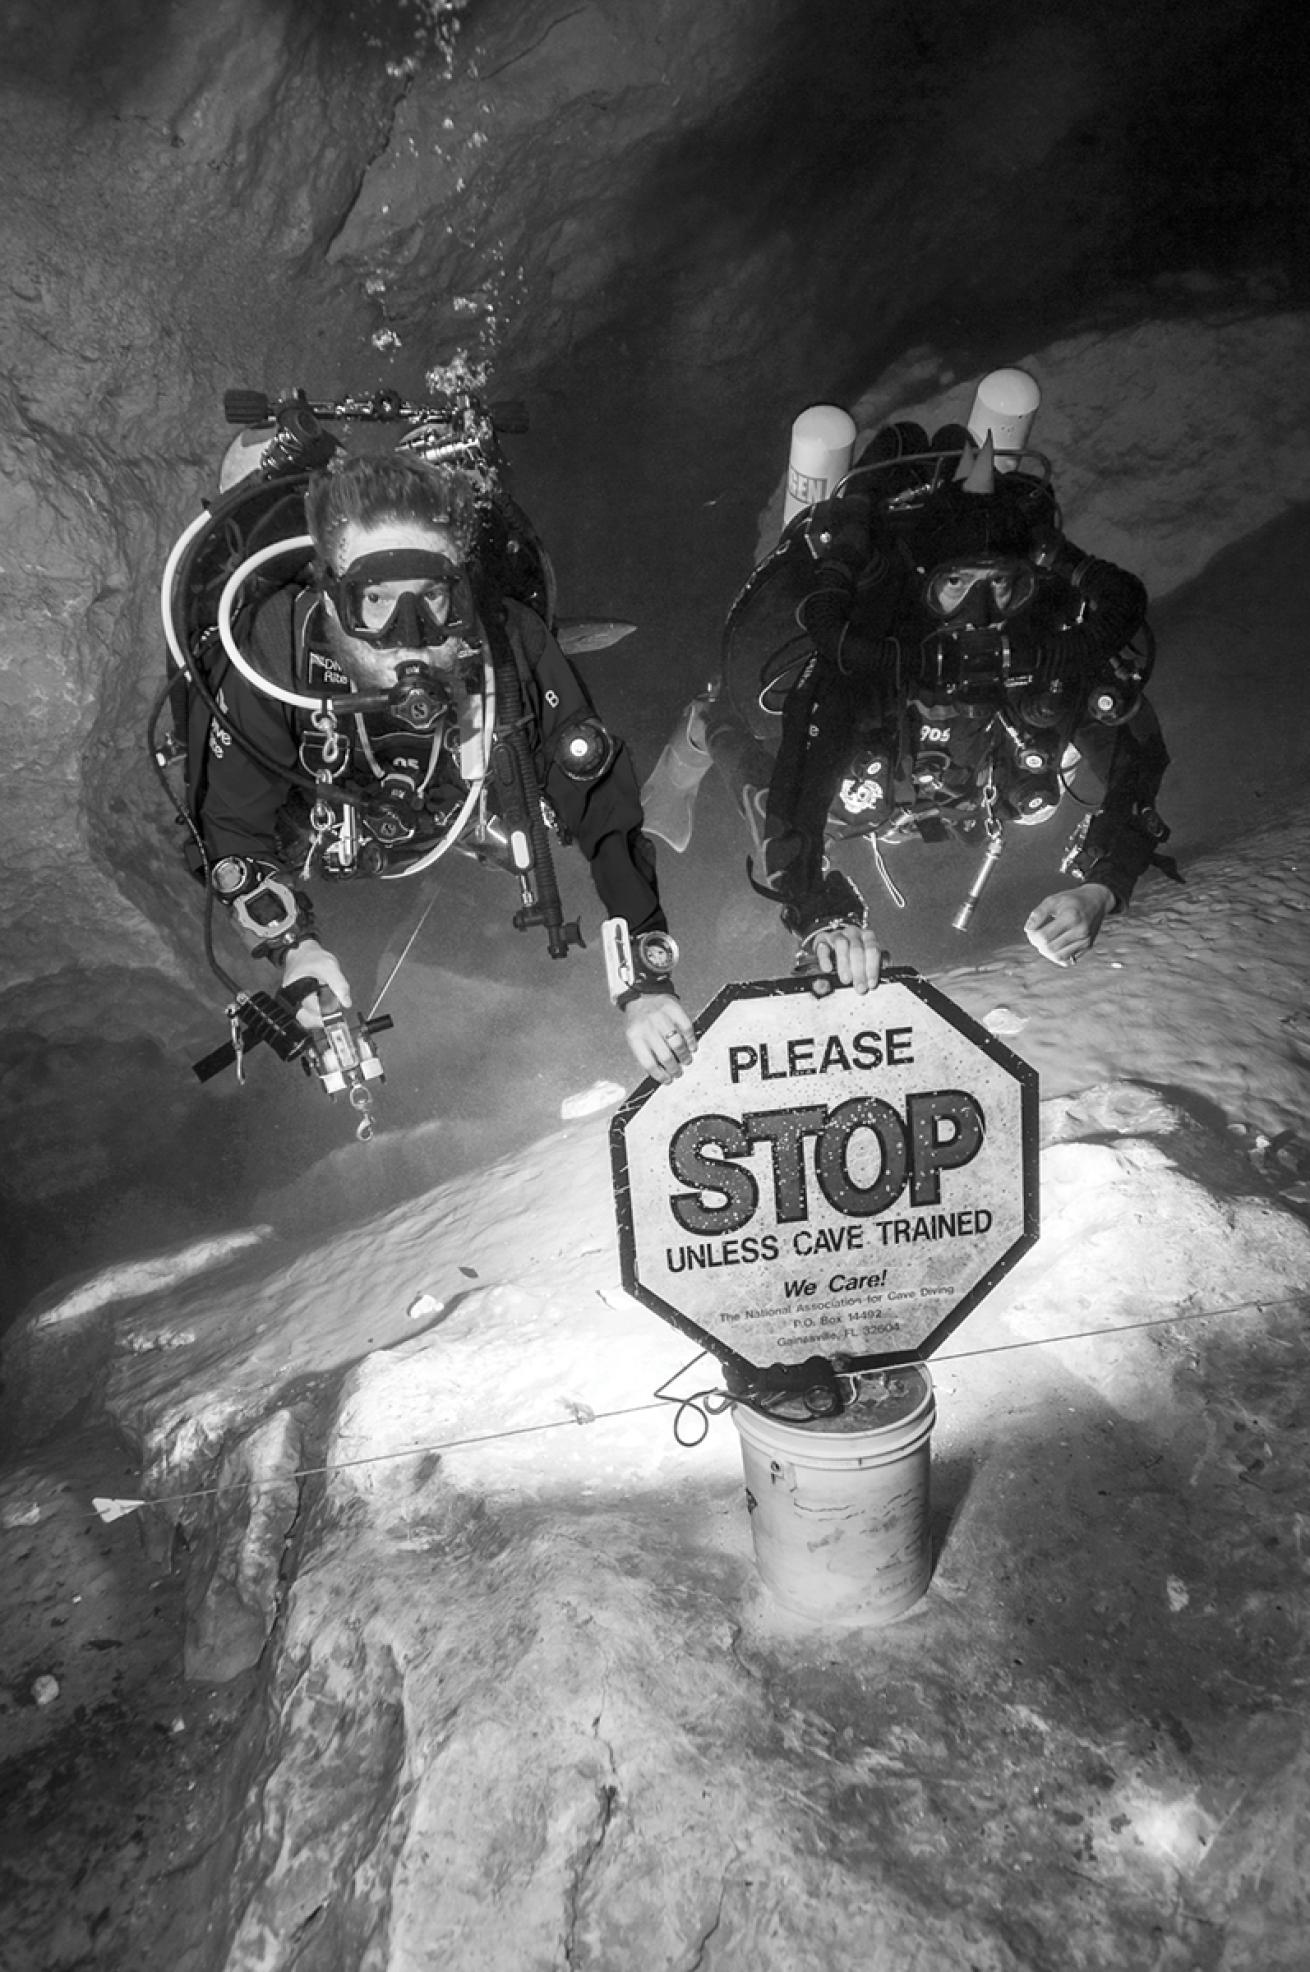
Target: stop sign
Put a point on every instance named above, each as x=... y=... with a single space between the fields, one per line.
x=844 y=1176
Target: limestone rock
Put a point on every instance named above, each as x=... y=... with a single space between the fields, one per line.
x=238 y=1552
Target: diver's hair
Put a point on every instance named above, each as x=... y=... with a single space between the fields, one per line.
x=363 y=489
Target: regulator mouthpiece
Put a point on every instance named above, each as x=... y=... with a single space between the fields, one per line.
x=420 y=699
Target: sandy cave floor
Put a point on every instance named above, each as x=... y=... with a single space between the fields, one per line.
x=1158 y=1587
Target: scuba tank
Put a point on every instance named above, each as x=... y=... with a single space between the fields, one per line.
x=822 y=440
x=1004 y=406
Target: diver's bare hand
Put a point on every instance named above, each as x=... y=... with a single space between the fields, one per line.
x=1065 y=926
x=310 y=960
x=660 y=1034
x=847 y=953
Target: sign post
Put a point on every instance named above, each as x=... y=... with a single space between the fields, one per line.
x=842 y=1177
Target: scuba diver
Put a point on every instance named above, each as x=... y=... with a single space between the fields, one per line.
x=369 y=679
x=926 y=655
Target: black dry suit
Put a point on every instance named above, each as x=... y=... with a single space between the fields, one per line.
x=900 y=718
x=254 y=796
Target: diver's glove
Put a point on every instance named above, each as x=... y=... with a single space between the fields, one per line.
x=310 y=961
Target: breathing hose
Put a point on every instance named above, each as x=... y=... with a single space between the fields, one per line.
x=176 y=574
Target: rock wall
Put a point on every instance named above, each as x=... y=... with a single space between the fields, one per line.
x=227 y=194
x=147 y=175
x=349 y=192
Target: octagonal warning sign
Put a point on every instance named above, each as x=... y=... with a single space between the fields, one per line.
x=844 y=1176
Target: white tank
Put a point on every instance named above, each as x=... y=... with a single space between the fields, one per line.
x=822 y=441
x=1005 y=404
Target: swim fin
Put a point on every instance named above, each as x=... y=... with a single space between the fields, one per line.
x=576 y=634
x=668 y=798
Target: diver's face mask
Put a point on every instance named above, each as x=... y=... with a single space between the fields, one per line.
x=977 y=591
x=974 y=600
x=399 y=599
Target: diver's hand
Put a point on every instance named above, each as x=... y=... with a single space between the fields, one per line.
x=660 y=1034
x=847 y=953
x=1064 y=926
x=309 y=960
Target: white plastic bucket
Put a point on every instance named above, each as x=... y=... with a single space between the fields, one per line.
x=839 y=1506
